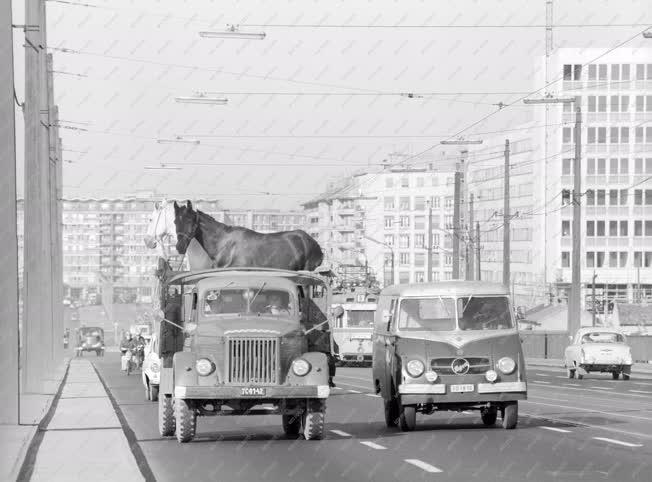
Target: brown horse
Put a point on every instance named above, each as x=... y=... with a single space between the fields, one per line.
x=234 y=246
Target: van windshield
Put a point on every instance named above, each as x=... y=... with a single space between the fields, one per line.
x=484 y=313
x=431 y=314
x=440 y=314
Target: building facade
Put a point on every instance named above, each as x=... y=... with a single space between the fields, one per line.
x=379 y=220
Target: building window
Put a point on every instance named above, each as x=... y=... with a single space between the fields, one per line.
x=419 y=222
x=648 y=228
x=405 y=181
x=638 y=259
x=404 y=241
x=388 y=260
x=599 y=228
x=623 y=259
x=599 y=261
x=419 y=240
x=565 y=228
x=565 y=259
x=624 y=165
x=613 y=259
x=624 y=135
x=389 y=220
x=389 y=182
x=404 y=221
x=405 y=203
x=613 y=197
x=566 y=200
x=566 y=167
x=419 y=203
x=389 y=203
x=590 y=165
x=601 y=197
x=420 y=182
x=624 y=228
x=418 y=277
x=602 y=135
x=567 y=135
x=389 y=239
x=404 y=259
x=638 y=228
x=602 y=103
x=590 y=228
x=613 y=228
x=404 y=277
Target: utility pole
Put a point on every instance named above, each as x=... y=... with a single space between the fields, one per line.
x=593 y=290
x=429 y=251
x=477 y=249
x=9 y=341
x=506 y=227
x=456 y=225
x=575 y=307
x=470 y=272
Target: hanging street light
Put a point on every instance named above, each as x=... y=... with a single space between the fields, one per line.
x=232 y=32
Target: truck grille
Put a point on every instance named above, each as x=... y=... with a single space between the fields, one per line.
x=477 y=365
x=253 y=360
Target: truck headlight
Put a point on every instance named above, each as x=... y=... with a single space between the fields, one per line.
x=506 y=365
x=300 y=367
x=491 y=376
x=154 y=367
x=415 y=368
x=204 y=367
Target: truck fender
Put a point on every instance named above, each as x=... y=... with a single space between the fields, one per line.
x=318 y=374
x=184 y=369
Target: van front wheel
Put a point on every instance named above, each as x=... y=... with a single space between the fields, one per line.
x=408 y=418
x=391 y=412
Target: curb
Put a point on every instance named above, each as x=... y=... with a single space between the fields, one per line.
x=22 y=453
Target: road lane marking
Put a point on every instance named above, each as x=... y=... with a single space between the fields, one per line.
x=374 y=445
x=600 y=391
x=543 y=374
x=613 y=414
x=372 y=395
x=352 y=391
x=619 y=442
x=555 y=429
x=341 y=434
x=638 y=391
x=641 y=383
x=337 y=388
x=603 y=388
x=586 y=425
x=572 y=384
x=355 y=378
x=547 y=398
x=542 y=381
x=424 y=466
x=560 y=376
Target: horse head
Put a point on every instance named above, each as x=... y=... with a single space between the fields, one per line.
x=186 y=221
x=160 y=228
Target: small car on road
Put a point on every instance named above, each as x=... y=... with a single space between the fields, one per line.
x=598 y=350
x=151 y=369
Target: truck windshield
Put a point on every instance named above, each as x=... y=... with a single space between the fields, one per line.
x=484 y=313
x=360 y=318
x=603 y=337
x=248 y=300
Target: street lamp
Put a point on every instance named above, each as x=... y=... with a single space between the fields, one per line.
x=574 y=302
x=178 y=140
x=233 y=32
x=391 y=249
x=202 y=98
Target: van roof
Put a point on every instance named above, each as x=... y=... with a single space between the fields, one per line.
x=453 y=288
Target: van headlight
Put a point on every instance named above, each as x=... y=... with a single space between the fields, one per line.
x=154 y=367
x=300 y=367
x=415 y=368
x=491 y=376
x=506 y=365
x=204 y=367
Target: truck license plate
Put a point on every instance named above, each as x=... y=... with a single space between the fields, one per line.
x=253 y=392
x=461 y=388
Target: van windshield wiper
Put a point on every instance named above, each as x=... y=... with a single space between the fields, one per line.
x=257 y=293
x=444 y=305
x=467 y=304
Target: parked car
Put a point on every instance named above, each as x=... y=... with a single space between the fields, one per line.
x=598 y=350
x=151 y=369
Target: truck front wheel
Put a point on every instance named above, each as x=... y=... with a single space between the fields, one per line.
x=166 y=422
x=186 y=419
x=312 y=420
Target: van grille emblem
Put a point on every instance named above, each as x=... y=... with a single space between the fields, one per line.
x=460 y=366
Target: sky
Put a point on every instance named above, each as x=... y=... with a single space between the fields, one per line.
x=306 y=105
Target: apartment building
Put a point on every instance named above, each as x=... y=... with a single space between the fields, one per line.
x=379 y=219
x=615 y=97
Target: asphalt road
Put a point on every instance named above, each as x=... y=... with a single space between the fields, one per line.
x=593 y=429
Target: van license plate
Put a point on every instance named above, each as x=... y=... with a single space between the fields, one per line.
x=461 y=388
x=253 y=392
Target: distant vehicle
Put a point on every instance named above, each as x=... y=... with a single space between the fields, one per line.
x=151 y=369
x=448 y=346
x=143 y=329
x=90 y=338
x=353 y=329
x=598 y=350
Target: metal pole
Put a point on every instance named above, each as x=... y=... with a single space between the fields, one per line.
x=506 y=227
x=470 y=272
x=574 y=321
x=9 y=341
x=593 y=292
x=393 y=271
x=429 y=251
x=456 y=226
x=477 y=249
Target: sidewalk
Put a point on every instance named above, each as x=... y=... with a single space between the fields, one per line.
x=559 y=363
x=16 y=439
x=84 y=439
